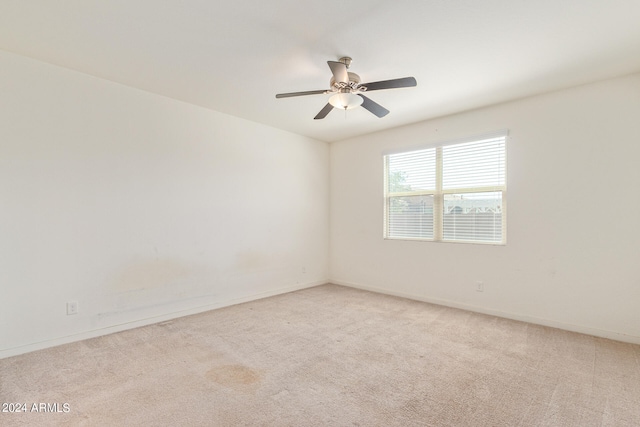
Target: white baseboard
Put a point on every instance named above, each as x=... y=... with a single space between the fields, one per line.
x=617 y=336
x=150 y=320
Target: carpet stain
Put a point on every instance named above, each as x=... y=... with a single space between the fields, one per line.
x=237 y=377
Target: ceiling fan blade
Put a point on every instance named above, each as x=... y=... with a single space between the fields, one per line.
x=309 y=92
x=375 y=108
x=323 y=113
x=339 y=71
x=391 y=84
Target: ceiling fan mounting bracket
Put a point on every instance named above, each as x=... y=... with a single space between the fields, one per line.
x=346 y=60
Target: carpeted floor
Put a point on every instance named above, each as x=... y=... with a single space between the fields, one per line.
x=329 y=356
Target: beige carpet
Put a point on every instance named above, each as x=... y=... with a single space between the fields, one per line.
x=330 y=356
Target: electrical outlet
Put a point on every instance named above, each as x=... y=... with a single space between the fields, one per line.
x=72 y=308
x=304 y=270
x=480 y=286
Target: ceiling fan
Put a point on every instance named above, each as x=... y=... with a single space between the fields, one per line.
x=348 y=91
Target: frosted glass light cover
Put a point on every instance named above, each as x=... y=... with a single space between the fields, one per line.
x=345 y=101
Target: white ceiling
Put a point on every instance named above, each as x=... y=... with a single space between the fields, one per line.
x=235 y=56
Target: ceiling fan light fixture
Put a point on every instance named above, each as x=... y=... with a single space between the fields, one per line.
x=346 y=90
x=345 y=100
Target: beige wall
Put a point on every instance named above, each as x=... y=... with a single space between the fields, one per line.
x=141 y=208
x=573 y=239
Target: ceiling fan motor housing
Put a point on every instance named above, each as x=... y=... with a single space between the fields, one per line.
x=352 y=85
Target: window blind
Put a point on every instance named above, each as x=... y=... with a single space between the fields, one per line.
x=411 y=178
x=451 y=192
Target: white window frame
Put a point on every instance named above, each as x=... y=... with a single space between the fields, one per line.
x=439 y=193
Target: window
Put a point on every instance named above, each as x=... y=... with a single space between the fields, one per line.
x=452 y=192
